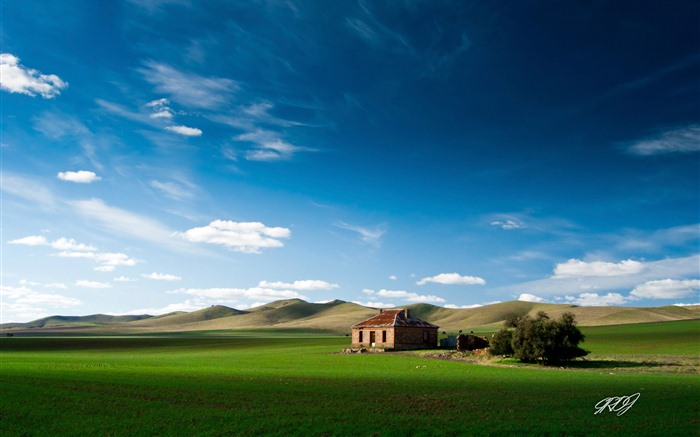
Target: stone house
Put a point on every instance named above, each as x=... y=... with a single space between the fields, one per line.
x=395 y=329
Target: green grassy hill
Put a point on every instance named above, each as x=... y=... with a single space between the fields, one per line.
x=338 y=316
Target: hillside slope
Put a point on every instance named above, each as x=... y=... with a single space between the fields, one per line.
x=338 y=316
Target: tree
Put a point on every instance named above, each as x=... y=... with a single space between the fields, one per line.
x=540 y=340
x=501 y=342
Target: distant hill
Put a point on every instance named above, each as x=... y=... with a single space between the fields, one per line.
x=92 y=320
x=338 y=316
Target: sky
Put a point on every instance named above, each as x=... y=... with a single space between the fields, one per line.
x=169 y=155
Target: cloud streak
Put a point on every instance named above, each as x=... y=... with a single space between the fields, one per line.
x=682 y=140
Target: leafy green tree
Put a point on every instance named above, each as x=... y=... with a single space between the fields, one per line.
x=500 y=342
x=541 y=339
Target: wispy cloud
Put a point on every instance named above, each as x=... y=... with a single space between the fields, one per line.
x=181 y=189
x=28 y=189
x=19 y=79
x=367 y=235
x=161 y=277
x=682 y=140
x=189 y=89
x=269 y=146
x=125 y=223
x=92 y=284
x=577 y=268
x=59 y=126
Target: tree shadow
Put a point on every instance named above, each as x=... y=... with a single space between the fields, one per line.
x=618 y=364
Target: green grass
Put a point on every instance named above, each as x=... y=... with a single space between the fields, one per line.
x=252 y=383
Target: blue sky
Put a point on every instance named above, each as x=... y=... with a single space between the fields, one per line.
x=168 y=155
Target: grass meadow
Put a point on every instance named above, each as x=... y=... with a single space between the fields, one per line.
x=259 y=383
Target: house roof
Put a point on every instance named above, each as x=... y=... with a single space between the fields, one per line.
x=393 y=318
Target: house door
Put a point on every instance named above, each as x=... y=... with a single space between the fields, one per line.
x=372 y=338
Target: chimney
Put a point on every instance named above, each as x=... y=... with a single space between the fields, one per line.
x=381 y=310
x=407 y=312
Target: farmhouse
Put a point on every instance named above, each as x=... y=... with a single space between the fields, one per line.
x=395 y=329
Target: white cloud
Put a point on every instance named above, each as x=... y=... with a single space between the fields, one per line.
x=409 y=296
x=108 y=261
x=15 y=78
x=367 y=235
x=372 y=304
x=185 y=131
x=186 y=306
x=161 y=276
x=304 y=285
x=527 y=297
x=160 y=108
x=677 y=268
x=123 y=279
x=60 y=244
x=254 y=293
x=452 y=278
x=71 y=244
x=21 y=304
x=393 y=277
x=578 y=268
x=594 y=299
x=246 y=237
x=189 y=89
x=452 y=306
x=79 y=177
x=31 y=240
x=92 y=284
x=666 y=289
x=683 y=140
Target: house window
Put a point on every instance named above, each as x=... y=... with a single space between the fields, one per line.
x=425 y=335
x=360 y=336
x=383 y=336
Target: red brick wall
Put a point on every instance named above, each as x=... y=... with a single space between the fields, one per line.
x=377 y=335
x=396 y=338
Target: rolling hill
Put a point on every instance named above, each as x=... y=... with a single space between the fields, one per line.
x=338 y=316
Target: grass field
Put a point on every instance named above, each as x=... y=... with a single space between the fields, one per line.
x=253 y=383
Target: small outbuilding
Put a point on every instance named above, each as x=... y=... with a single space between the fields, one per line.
x=395 y=329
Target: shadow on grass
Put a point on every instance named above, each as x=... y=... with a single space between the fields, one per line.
x=617 y=364
x=597 y=364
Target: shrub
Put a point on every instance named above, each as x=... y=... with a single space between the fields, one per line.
x=541 y=340
x=501 y=342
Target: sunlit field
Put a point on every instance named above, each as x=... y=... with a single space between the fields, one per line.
x=255 y=383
